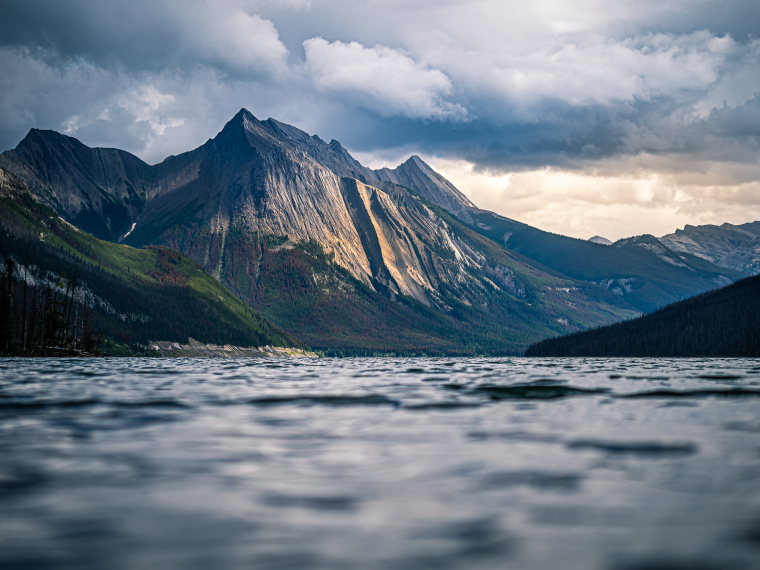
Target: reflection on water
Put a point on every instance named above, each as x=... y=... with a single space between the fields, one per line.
x=380 y=463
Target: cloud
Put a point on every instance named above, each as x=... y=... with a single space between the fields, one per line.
x=658 y=94
x=237 y=40
x=380 y=78
x=148 y=35
x=615 y=198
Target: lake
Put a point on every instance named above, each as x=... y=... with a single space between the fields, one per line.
x=380 y=463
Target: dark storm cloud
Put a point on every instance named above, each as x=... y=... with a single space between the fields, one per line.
x=144 y=35
x=503 y=85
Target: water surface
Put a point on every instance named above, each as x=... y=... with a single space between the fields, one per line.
x=384 y=463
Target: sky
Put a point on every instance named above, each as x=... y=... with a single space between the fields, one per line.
x=580 y=117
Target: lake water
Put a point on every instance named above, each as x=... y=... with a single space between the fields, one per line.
x=385 y=463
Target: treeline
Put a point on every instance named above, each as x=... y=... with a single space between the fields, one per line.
x=56 y=304
x=724 y=322
x=43 y=320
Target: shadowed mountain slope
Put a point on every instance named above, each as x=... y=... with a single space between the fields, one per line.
x=100 y=190
x=642 y=270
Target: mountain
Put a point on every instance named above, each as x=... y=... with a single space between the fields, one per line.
x=427 y=183
x=600 y=240
x=719 y=323
x=61 y=284
x=348 y=258
x=642 y=271
x=733 y=246
x=100 y=190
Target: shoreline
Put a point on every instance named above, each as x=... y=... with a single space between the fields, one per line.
x=195 y=348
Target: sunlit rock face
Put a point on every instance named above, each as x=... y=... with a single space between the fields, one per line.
x=420 y=177
x=257 y=179
x=265 y=178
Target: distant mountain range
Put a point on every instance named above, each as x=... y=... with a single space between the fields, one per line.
x=733 y=246
x=718 y=323
x=728 y=245
x=350 y=259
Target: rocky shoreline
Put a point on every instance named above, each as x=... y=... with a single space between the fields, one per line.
x=195 y=348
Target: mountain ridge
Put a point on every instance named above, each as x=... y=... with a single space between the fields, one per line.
x=263 y=200
x=735 y=246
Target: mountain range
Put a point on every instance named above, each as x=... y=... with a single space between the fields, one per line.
x=727 y=245
x=354 y=260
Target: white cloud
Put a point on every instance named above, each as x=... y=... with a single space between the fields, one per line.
x=237 y=40
x=595 y=117
x=594 y=70
x=380 y=78
x=146 y=103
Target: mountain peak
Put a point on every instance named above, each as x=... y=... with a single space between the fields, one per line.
x=45 y=136
x=418 y=175
x=239 y=120
x=416 y=161
x=234 y=130
x=244 y=113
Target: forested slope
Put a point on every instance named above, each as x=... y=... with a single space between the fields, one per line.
x=725 y=322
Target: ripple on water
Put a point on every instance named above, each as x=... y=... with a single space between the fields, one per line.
x=313 y=502
x=536 y=479
x=20 y=479
x=539 y=390
x=672 y=563
x=335 y=464
x=476 y=537
x=695 y=393
x=719 y=376
x=644 y=448
x=516 y=435
x=21 y=405
x=442 y=405
x=326 y=400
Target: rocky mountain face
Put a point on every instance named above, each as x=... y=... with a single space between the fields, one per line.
x=733 y=246
x=100 y=190
x=260 y=180
x=417 y=175
x=338 y=254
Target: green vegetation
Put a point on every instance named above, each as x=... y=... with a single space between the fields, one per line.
x=718 y=323
x=65 y=290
